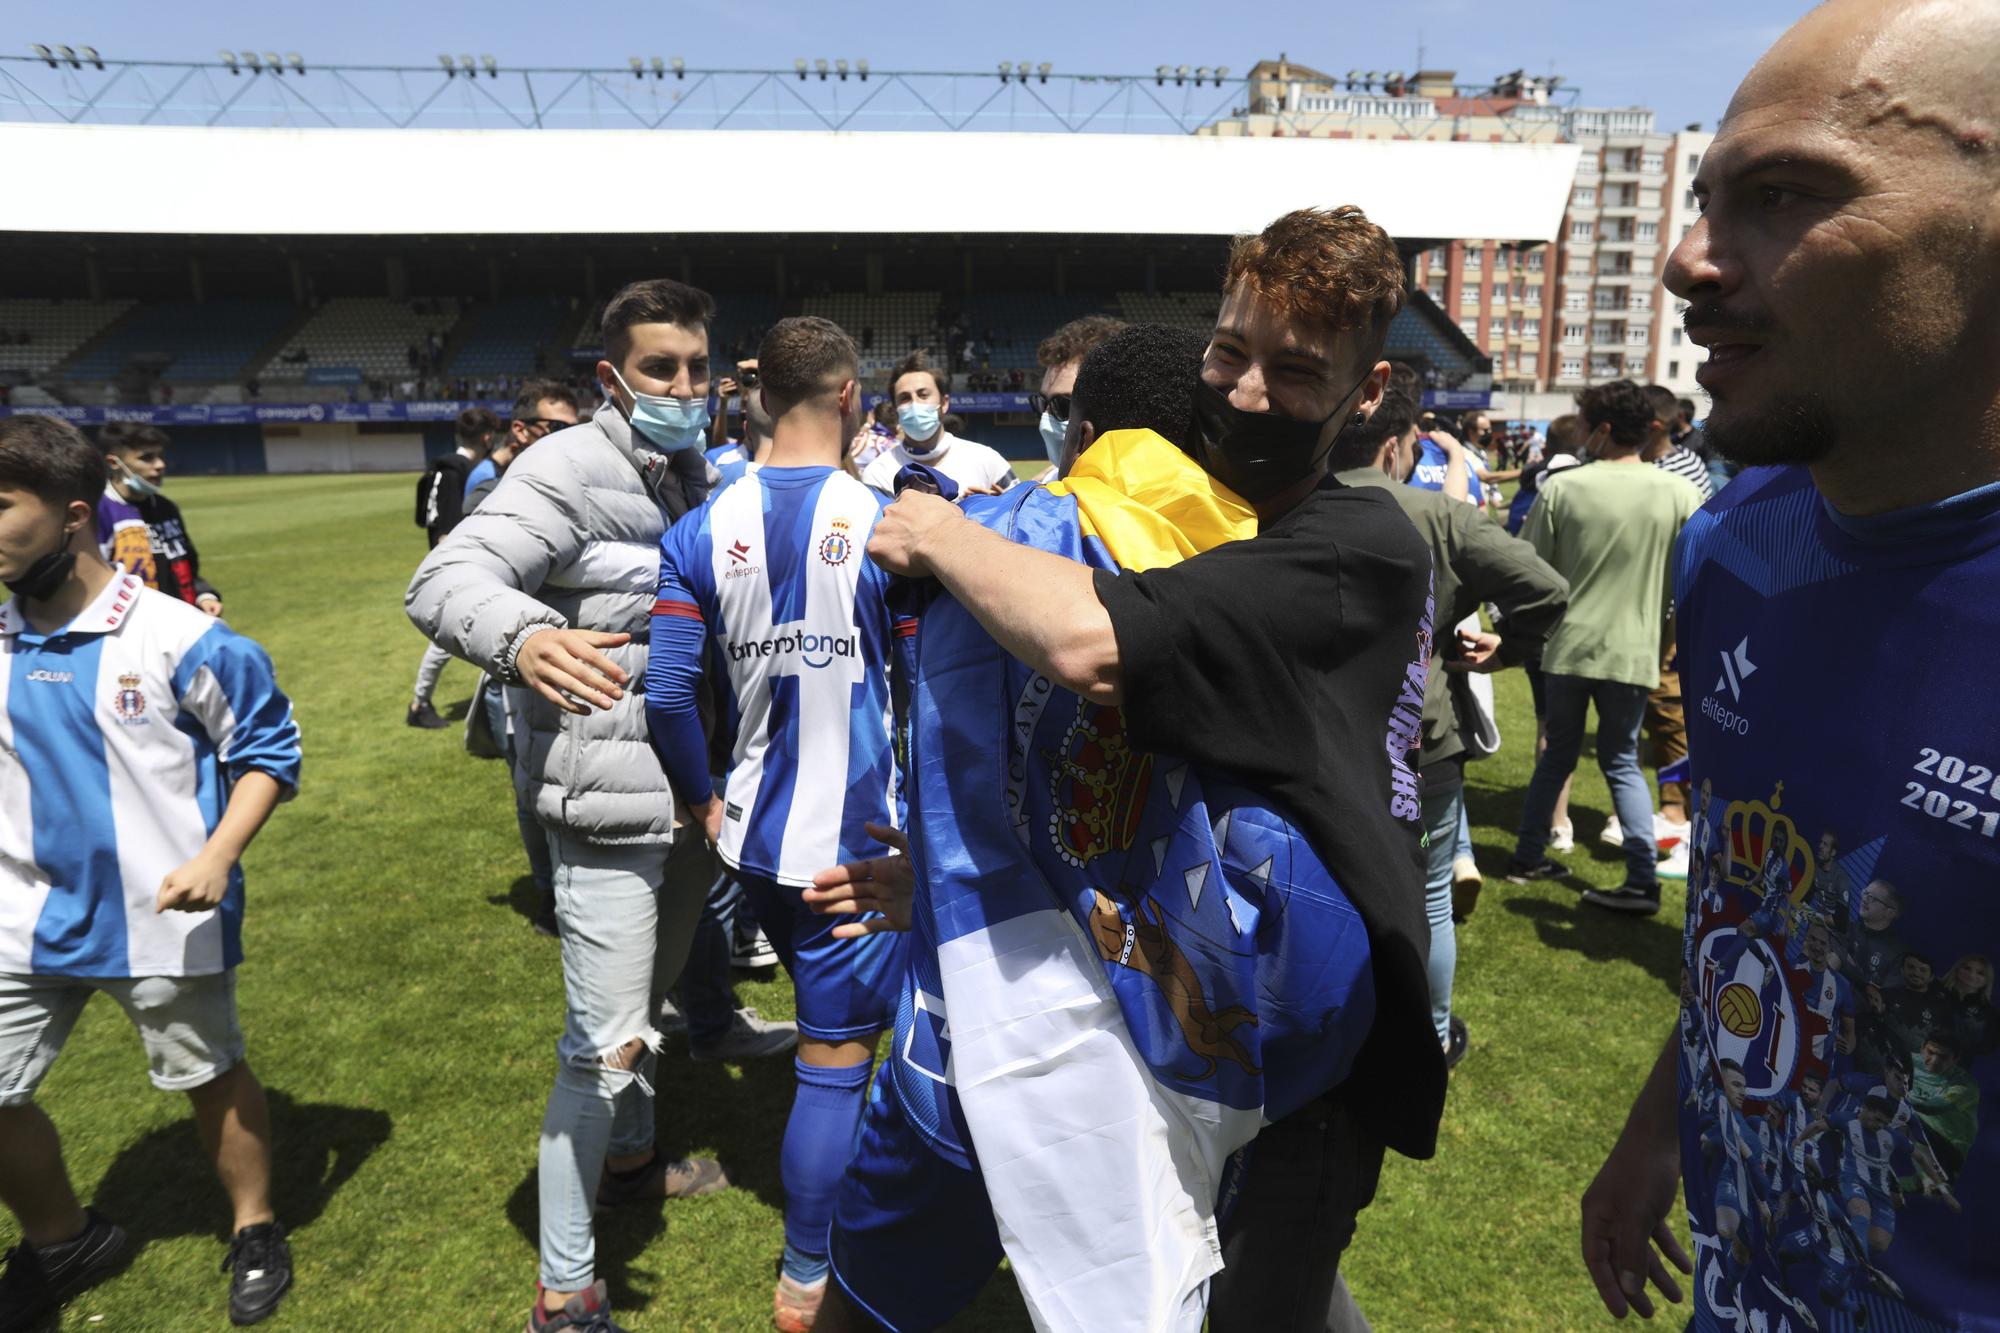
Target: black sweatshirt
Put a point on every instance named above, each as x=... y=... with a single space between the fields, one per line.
x=176 y=564
x=1295 y=663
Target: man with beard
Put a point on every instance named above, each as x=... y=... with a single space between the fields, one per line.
x=1845 y=277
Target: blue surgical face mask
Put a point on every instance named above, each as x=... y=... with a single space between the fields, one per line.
x=1053 y=434
x=920 y=424
x=135 y=483
x=668 y=424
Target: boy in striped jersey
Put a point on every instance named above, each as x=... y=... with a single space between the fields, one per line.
x=143 y=744
x=770 y=583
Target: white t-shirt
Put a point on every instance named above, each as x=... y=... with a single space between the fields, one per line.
x=967 y=462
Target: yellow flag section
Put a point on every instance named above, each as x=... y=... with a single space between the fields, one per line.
x=1149 y=503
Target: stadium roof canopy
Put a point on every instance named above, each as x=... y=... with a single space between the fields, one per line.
x=157 y=180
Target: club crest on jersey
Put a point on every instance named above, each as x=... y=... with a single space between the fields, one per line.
x=129 y=703
x=836 y=546
x=1099 y=785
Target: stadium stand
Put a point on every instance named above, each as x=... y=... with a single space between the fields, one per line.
x=1018 y=321
x=502 y=337
x=900 y=321
x=373 y=335
x=52 y=330
x=1195 y=310
x=198 y=341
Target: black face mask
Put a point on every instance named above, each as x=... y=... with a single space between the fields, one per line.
x=40 y=580
x=1259 y=454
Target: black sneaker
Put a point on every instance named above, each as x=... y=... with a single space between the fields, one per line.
x=1459 y=1041
x=425 y=716
x=586 y=1312
x=38 y=1280
x=261 y=1262
x=1640 y=901
x=1522 y=872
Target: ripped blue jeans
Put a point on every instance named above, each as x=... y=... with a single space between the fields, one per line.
x=628 y=913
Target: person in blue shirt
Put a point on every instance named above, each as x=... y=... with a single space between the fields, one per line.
x=540 y=409
x=1841 y=276
x=768 y=585
x=143 y=743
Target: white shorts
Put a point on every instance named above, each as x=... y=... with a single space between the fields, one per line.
x=188 y=1026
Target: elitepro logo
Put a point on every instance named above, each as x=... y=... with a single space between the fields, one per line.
x=1736 y=669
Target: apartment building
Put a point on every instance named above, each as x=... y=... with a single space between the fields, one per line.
x=1677 y=358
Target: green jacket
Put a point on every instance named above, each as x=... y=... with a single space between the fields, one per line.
x=1473 y=560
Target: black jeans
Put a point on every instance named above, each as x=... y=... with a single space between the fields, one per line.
x=1309 y=1175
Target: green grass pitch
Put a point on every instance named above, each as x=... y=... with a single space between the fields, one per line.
x=404 y=1016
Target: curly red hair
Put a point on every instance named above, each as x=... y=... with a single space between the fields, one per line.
x=1329 y=267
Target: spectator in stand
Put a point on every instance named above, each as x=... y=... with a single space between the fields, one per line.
x=1609 y=529
x=137 y=457
x=921 y=403
x=440 y=506
x=1059 y=355
x=1473 y=562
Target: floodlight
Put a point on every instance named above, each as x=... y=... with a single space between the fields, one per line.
x=449 y=68
x=841 y=67
x=1200 y=75
x=465 y=63
x=659 y=67
x=43 y=53
x=1043 y=70
x=819 y=67
x=680 y=68
x=491 y=66
x=250 y=58
x=862 y=66
x=638 y=66
x=1006 y=67
x=271 y=62
x=65 y=53
x=1160 y=73
x=1221 y=73
x=1353 y=77
x=229 y=59
x=800 y=66
x=296 y=61
x=1180 y=74
x=90 y=54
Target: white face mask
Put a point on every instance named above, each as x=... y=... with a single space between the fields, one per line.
x=135 y=483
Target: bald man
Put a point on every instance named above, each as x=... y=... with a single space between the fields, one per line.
x=1840 y=596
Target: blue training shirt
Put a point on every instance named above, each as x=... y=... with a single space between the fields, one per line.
x=120 y=735
x=1843 y=879
x=771 y=583
x=1429 y=472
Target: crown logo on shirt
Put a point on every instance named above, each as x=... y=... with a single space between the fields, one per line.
x=1099 y=785
x=1759 y=841
x=129 y=703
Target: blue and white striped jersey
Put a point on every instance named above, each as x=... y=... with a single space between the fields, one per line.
x=120 y=736
x=770 y=581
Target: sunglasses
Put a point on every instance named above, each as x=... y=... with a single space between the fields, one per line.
x=1055 y=404
x=546 y=424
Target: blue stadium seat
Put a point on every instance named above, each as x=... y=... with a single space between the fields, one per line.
x=208 y=341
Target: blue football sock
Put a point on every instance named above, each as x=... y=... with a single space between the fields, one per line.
x=819 y=1139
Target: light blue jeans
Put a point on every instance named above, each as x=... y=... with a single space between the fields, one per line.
x=1620 y=710
x=628 y=913
x=1444 y=815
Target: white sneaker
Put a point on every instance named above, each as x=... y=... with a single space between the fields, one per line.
x=1666 y=832
x=1614 y=833
x=1676 y=864
x=1562 y=838
x=753 y=951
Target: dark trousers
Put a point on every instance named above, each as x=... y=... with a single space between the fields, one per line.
x=1308 y=1177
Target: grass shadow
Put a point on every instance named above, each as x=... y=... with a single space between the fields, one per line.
x=702 y=1106
x=456 y=712
x=523 y=896
x=164 y=1184
x=1650 y=942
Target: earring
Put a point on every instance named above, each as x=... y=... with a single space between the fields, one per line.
x=1357 y=418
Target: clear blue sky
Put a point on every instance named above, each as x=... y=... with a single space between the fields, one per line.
x=1682 y=59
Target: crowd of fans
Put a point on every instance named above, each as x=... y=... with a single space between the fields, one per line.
x=1131 y=799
